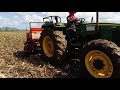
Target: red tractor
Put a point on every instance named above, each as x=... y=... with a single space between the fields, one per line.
x=32 y=44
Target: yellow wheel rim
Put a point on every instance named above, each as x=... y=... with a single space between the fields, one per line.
x=48 y=47
x=98 y=64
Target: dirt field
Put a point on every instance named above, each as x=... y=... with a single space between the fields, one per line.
x=13 y=64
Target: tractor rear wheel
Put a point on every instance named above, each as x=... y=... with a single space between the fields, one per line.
x=100 y=59
x=53 y=46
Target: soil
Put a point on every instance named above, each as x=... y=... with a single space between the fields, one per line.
x=13 y=63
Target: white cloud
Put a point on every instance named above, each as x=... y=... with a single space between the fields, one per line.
x=110 y=17
x=23 y=18
x=33 y=18
x=61 y=14
x=85 y=14
x=7 y=21
x=23 y=13
x=27 y=16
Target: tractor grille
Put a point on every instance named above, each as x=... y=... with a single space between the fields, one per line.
x=116 y=36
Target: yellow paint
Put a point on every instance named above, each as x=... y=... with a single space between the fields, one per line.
x=48 y=47
x=107 y=69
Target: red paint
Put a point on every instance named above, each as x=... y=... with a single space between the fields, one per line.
x=37 y=29
x=72 y=16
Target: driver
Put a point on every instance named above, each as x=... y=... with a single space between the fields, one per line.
x=71 y=26
x=72 y=21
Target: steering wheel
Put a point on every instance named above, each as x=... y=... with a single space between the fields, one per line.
x=81 y=20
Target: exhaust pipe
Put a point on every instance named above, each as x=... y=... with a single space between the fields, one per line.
x=97 y=20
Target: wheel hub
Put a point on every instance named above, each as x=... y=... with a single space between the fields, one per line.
x=98 y=64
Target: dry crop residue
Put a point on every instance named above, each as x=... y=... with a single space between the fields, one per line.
x=14 y=65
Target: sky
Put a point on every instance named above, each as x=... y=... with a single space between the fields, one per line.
x=21 y=20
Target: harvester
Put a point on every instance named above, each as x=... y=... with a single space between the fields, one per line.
x=96 y=45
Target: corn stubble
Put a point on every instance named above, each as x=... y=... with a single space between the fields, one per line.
x=13 y=64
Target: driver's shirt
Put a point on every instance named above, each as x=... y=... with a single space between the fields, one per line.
x=71 y=18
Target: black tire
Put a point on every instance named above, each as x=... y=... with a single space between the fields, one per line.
x=60 y=46
x=109 y=48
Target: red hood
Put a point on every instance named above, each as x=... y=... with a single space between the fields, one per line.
x=71 y=14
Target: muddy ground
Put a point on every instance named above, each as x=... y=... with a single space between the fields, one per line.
x=13 y=63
